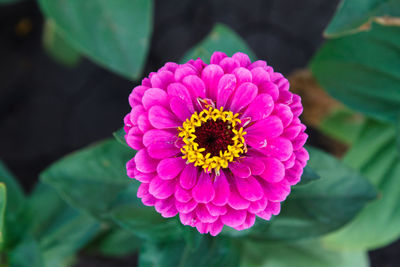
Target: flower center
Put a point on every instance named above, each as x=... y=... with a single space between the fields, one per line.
x=212 y=138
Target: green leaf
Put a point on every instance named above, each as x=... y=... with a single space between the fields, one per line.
x=363 y=71
x=221 y=38
x=3 y=201
x=26 y=254
x=309 y=253
x=59 y=229
x=343 y=125
x=118 y=243
x=57 y=47
x=309 y=175
x=129 y=212
x=115 y=34
x=120 y=136
x=97 y=171
x=375 y=155
x=212 y=252
x=354 y=16
x=318 y=207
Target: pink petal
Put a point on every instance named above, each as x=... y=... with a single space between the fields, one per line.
x=136 y=96
x=149 y=200
x=236 y=201
x=260 y=76
x=143 y=123
x=257 y=63
x=242 y=75
x=273 y=207
x=135 y=113
x=269 y=88
x=144 y=163
x=183 y=71
x=249 y=222
x=170 y=168
x=216 y=210
x=258 y=206
x=302 y=156
x=226 y=87
x=134 y=138
x=259 y=134
x=229 y=64
x=195 y=85
x=185 y=207
x=242 y=58
x=143 y=190
x=260 y=108
x=187 y=218
x=256 y=165
x=156 y=136
x=277 y=191
x=203 y=228
x=291 y=132
x=274 y=170
x=296 y=106
x=290 y=162
x=204 y=191
x=285 y=97
x=179 y=108
x=299 y=141
x=239 y=169
x=294 y=174
x=182 y=195
x=234 y=218
x=216 y=57
x=161 y=79
x=249 y=188
x=180 y=91
x=166 y=207
x=203 y=215
x=284 y=113
x=155 y=97
x=264 y=215
x=171 y=66
x=162 y=189
x=211 y=76
x=188 y=177
x=222 y=191
x=216 y=227
x=280 y=148
x=161 y=118
x=244 y=95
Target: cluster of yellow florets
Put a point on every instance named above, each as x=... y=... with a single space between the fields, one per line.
x=195 y=154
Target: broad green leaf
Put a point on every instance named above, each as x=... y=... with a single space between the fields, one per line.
x=60 y=230
x=118 y=243
x=115 y=34
x=318 y=207
x=129 y=212
x=120 y=136
x=363 y=71
x=91 y=178
x=375 y=155
x=212 y=252
x=309 y=253
x=26 y=254
x=57 y=47
x=3 y=201
x=221 y=39
x=354 y=16
x=309 y=175
x=343 y=125
x=14 y=223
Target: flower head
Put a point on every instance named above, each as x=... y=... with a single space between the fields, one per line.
x=218 y=144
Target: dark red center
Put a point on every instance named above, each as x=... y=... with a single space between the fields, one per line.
x=214 y=136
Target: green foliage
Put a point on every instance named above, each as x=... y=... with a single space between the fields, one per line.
x=3 y=202
x=375 y=155
x=115 y=34
x=57 y=47
x=343 y=124
x=309 y=175
x=318 y=207
x=310 y=253
x=26 y=254
x=356 y=15
x=9 y=1
x=120 y=136
x=211 y=252
x=363 y=71
x=221 y=39
x=119 y=242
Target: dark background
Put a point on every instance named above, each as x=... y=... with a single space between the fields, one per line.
x=48 y=110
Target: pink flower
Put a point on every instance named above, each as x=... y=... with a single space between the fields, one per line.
x=218 y=144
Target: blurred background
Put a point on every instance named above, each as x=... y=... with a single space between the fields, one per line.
x=48 y=110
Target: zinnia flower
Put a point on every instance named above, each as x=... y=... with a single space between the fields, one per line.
x=218 y=144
